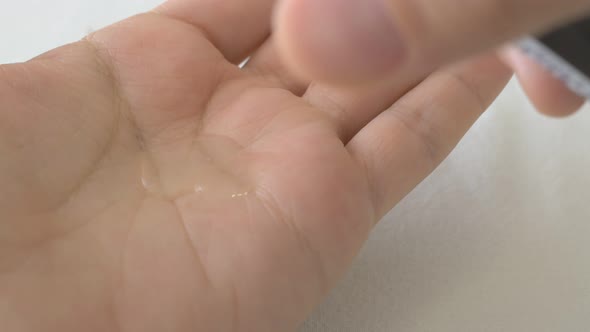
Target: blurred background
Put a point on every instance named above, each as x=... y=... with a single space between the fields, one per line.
x=497 y=239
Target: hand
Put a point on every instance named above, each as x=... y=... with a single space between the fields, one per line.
x=352 y=40
x=148 y=183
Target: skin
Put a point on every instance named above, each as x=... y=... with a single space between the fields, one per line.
x=151 y=184
x=348 y=41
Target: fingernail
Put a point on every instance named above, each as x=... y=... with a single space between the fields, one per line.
x=349 y=39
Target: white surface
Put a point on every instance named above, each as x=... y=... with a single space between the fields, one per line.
x=496 y=240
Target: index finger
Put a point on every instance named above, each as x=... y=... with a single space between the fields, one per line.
x=352 y=40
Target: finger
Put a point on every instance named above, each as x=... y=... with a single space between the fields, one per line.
x=352 y=107
x=403 y=145
x=549 y=95
x=267 y=63
x=235 y=27
x=348 y=40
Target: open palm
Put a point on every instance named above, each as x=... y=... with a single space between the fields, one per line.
x=148 y=183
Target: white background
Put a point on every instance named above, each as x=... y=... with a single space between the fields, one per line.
x=498 y=239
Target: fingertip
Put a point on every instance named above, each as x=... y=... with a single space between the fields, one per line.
x=549 y=95
x=337 y=41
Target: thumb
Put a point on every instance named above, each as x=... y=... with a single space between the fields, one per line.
x=352 y=40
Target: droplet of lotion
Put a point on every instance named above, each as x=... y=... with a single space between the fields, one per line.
x=150 y=179
x=239 y=195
